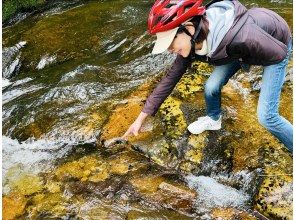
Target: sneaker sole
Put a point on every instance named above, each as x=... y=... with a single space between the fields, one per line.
x=212 y=129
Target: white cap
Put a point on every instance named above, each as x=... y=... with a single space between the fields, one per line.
x=164 y=40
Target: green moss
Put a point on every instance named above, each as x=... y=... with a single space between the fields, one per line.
x=189 y=84
x=173 y=117
x=273 y=198
x=50 y=203
x=12 y=7
x=81 y=169
x=27 y=184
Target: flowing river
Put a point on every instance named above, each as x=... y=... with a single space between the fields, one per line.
x=67 y=70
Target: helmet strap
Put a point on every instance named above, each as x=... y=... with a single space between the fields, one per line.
x=197 y=31
x=194 y=36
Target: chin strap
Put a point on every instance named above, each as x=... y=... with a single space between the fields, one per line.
x=194 y=36
x=193 y=39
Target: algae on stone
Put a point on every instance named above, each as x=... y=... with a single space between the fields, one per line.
x=173 y=117
x=202 y=68
x=275 y=195
x=53 y=203
x=231 y=213
x=53 y=187
x=27 y=184
x=13 y=205
x=197 y=143
x=81 y=169
x=189 y=85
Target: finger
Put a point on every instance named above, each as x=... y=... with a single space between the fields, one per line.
x=126 y=134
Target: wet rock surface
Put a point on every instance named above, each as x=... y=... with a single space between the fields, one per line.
x=215 y=175
x=69 y=96
x=228 y=155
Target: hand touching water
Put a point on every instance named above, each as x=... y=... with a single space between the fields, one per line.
x=135 y=127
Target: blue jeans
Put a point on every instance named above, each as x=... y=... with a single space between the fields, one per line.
x=213 y=86
x=268 y=104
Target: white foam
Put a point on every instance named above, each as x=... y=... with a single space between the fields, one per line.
x=114 y=47
x=5 y=83
x=31 y=156
x=8 y=71
x=13 y=94
x=7 y=112
x=135 y=43
x=212 y=194
x=78 y=71
x=22 y=81
x=46 y=60
x=146 y=65
x=86 y=92
x=11 y=59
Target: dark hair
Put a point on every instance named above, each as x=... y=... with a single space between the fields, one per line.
x=203 y=31
x=204 y=28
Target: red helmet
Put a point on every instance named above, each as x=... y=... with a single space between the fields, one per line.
x=167 y=14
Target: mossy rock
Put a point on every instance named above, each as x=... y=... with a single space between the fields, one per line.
x=13 y=206
x=83 y=169
x=52 y=204
x=11 y=7
x=231 y=213
x=166 y=193
x=27 y=184
x=173 y=117
x=189 y=85
x=274 y=198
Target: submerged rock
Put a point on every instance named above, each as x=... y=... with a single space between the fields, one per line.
x=124 y=115
x=230 y=213
x=170 y=195
x=27 y=184
x=47 y=204
x=87 y=168
x=275 y=195
x=13 y=206
x=156 y=214
x=237 y=147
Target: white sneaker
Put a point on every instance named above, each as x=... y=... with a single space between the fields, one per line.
x=205 y=123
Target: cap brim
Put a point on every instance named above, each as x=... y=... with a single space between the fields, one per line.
x=164 y=40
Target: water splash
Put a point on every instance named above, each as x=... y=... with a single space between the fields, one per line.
x=32 y=156
x=13 y=94
x=11 y=59
x=112 y=48
x=45 y=61
x=78 y=71
x=212 y=194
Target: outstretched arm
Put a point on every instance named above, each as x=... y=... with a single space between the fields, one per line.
x=166 y=85
x=159 y=94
